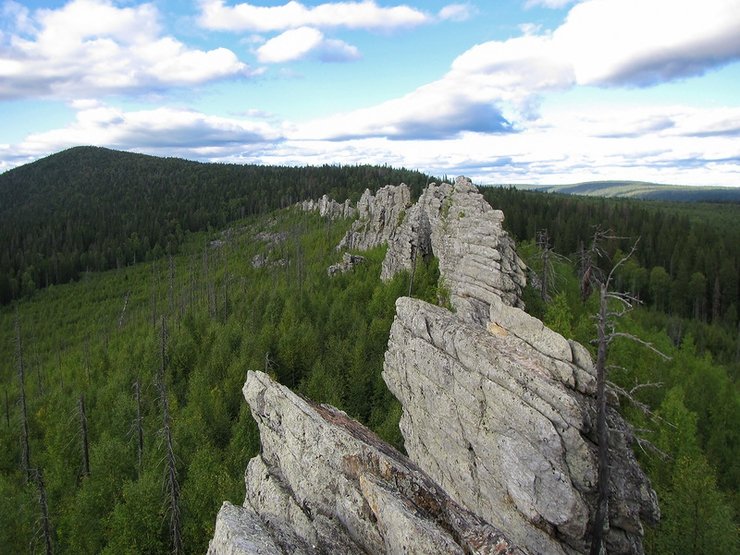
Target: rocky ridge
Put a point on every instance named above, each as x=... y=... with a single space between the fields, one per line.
x=498 y=418
x=477 y=259
x=378 y=217
x=329 y=208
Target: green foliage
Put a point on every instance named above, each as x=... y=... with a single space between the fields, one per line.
x=682 y=239
x=324 y=337
x=558 y=316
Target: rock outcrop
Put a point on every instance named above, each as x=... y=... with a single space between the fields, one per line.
x=348 y=263
x=329 y=208
x=505 y=424
x=498 y=418
x=378 y=217
x=325 y=484
x=454 y=223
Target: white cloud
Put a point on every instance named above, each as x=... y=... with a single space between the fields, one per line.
x=92 y=46
x=215 y=14
x=297 y=44
x=638 y=42
x=165 y=131
x=495 y=86
x=553 y=4
x=674 y=144
x=456 y=12
x=290 y=45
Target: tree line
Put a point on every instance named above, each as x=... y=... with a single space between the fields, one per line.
x=687 y=261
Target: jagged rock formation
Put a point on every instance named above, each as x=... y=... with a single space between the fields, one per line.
x=325 y=484
x=329 y=208
x=349 y=261
x=455 y=224
x=378 y=217
x=498 y=414
x=503 y=419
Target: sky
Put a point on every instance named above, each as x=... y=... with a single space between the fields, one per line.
x=502 y=91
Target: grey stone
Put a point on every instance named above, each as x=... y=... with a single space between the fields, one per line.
x=501 y=426
x=329 y=208
x=348 y=263
x=239 y=531
x=324 y=483
x=378 y=216
x=477 y=260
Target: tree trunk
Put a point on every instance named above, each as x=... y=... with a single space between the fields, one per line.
x=25 y=439
x=602 y=430
x=85 y=439
x=44 y=505
x=172 y=485
x=139 y=426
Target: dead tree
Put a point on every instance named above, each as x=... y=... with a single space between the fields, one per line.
x=172 y=485
x=85 y=439
x=25 y=436
x=171 y=286
x=139 y=425
x=547 y=257
x=612 y=306
x=123 y=310
x=7 y=410
x=38 y=478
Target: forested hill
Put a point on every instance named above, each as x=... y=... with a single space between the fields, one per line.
x=90 y=208
x=642 y=190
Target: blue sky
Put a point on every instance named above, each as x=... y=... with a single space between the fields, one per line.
x=504 y=91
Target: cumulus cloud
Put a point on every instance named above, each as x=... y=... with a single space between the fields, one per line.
x=495 y=86
x=639 y=43
x=435 y=111
x=90 y=46
x=216 y=15
x=166 y=131
x=304 y=42
x=675 y=144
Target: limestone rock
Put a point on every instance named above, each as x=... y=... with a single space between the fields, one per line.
x=348 y=263
x=477 y=260
x=328 y=208
x=325 y=484
x=378 y=216
x=503 y=427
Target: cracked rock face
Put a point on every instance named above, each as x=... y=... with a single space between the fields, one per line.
x=502 y=417
x=325 y=484
x=378 y=216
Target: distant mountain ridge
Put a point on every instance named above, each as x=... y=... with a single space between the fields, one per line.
x=642 y=190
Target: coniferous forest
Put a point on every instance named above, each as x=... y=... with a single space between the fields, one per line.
x=138 y=291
